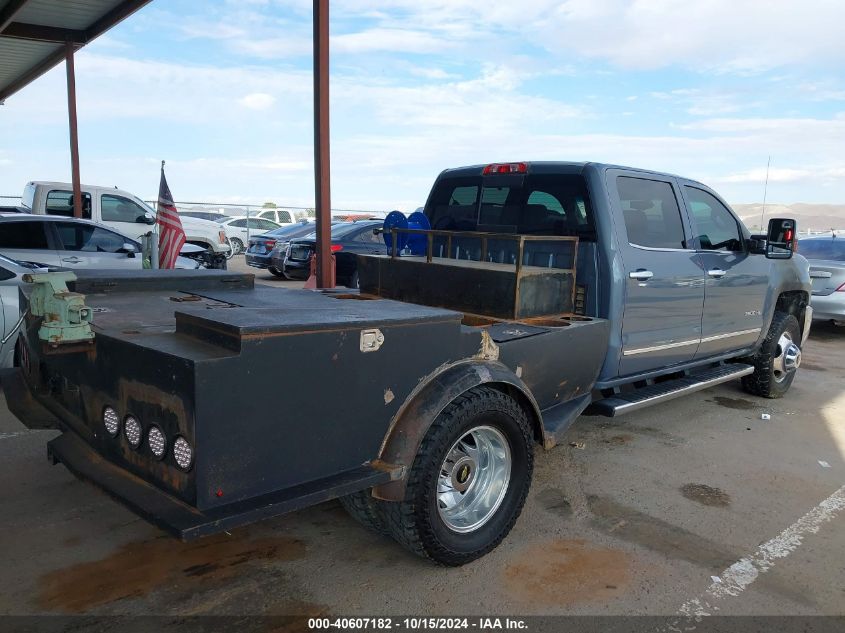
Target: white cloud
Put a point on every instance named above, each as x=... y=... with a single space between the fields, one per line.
x=257 y=101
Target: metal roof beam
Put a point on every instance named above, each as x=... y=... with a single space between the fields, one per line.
x=41 y=33
x=8 y=13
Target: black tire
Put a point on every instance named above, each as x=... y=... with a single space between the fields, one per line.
x=416 y=523
x=764 y=382
x=353 y=281
x=365 y=510
x=276 y=272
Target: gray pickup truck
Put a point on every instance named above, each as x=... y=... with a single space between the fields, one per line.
x=529 y=292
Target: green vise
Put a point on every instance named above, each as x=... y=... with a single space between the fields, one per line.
x=66 y=317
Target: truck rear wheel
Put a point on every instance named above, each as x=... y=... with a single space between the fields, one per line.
x=778 y=360
x=365 y=510
x=468 y=482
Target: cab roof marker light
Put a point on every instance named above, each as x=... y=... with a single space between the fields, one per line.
x=505 y=168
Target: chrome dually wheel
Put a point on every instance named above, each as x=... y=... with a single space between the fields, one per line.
x=474 y=479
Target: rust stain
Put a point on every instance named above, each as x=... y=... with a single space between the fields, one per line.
x=618 y=440
x=139 y=568
x=566 y=572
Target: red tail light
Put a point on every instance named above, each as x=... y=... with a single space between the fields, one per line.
x=505 y=168
x=269 y=243
x=787 y=235
x=336 y=248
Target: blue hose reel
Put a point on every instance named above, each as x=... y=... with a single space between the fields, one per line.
x=413 y=242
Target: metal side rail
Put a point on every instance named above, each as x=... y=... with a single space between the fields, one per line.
x=622 y=403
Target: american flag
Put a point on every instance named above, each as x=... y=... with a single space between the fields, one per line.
x=171 y=235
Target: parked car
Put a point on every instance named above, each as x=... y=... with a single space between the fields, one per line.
x=826 y=254
x=349 y=239
x=261 y=247
x=280 y=216
x=211 y=216
x=240 y=229
x=11 y=273
x=120 y=211
x=13 y=209
x=73 y=243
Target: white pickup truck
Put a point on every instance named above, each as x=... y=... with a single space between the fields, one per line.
x=119 y=210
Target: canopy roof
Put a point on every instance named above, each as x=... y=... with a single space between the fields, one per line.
x=34 y=34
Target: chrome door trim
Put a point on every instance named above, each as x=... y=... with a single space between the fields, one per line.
x=719 y=337
x=707 y=339
x=659 y=348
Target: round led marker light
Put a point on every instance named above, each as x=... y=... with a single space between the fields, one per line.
x=156 y=441
x=111 y=421
x=132 y=431
x=183 y=453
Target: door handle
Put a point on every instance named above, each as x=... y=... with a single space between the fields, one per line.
x=641 y=275
x=716 y=273
x=71 y=260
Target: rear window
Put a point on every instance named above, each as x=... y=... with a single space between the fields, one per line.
x=829 y=249
x=531 y=205
x=28 y=197
x=61 y=203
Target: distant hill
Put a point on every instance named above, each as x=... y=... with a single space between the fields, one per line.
x=815 y=217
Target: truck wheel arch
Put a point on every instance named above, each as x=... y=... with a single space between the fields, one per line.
x=416 y=415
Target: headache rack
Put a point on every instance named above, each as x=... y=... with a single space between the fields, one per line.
x=477 y=272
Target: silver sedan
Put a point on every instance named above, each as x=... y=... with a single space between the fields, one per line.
x=826 y=254
x=11 y=272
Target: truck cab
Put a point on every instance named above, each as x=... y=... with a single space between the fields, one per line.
x=119 y=210
x=663 y=258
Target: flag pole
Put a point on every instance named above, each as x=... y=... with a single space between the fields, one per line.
x=154 y=246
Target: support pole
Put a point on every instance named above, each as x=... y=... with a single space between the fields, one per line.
x=322 y=173
x=74 y=134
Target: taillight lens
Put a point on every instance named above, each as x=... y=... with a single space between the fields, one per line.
x=221 y=237
x=505 y=168
x=336 y=248
x=269 y=244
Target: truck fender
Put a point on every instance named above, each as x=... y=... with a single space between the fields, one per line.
x=434 y=393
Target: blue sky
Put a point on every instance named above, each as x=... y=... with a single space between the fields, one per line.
x=222 y=91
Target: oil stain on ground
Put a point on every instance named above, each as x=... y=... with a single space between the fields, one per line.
x=658 y=535
x=555 y=501
x=566 y=572
x=739 y=404
x=139 y=568
x=706 y=495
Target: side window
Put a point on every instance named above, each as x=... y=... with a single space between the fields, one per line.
x=715 y=226
x=283 y=216
x=266 y=225
x=267 y=214
x=23 y=235
x=89 y=238
x=368 y=236
x=120 y=209
x=238 y=224
x=652 y=215
x=61 y=203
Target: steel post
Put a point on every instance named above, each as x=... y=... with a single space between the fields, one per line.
x=74 y=133
x=322 y=173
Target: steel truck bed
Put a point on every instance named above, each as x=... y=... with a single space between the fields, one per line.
x=285 y=397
